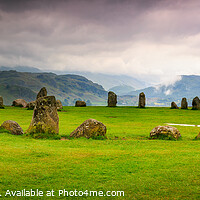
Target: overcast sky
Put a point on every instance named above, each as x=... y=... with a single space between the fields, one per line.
x=158 y=38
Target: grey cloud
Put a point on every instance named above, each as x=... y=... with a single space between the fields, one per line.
x=90 y=35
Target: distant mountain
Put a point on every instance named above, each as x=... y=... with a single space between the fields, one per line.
x=122 y=89
x=21 y=69
x=67 y=88
x=188 y=86
x=106 y=80
x=109 y=81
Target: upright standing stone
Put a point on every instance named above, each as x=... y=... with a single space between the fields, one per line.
x=45 y=117
x=141 y=103
x=196 y=103
x=112 y=99
x=174 y=105
x=59 y=105
x=1 y=102
x=42 y=92
x=184 y=103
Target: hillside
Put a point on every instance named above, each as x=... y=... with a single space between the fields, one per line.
x=106 y=80
x=67 y=88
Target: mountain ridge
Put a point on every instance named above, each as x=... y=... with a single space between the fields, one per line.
x=106 y=80
x=67 y=88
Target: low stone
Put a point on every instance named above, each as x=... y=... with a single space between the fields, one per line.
x=42 y=93
x=31 y=105
x=142 y=100
x=13 y=127
x=184 y=103
x=89 y=129
x=80 y=104
x=165 y=131
x=1 y=102
x=112 y=99
x=45 y=117
x=196 y=104
x=19 y=103
x=174 y=106
x=59 y=104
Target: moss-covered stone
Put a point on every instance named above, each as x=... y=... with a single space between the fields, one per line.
x=165 y=132
x=13 y=127
x=45 y=117
x=90 y=128
x=42 y=92
x=31 y=105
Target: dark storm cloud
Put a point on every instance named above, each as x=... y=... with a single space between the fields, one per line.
x=123 y=36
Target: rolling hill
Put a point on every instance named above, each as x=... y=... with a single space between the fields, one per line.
x=106 y=80
x=68 y=88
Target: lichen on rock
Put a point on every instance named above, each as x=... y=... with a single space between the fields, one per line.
x=90 y=128
x=45 y=117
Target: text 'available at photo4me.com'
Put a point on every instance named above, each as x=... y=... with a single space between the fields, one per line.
x=60 y=193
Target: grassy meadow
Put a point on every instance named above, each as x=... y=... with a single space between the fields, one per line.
x=127 y=161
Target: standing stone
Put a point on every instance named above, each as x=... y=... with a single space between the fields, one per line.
x=80 y=104
x=90 y=128
x=196 y=103
x=112 y=99
x=59 y=104
x=19 y=103
x=45 y=117
x=31 y=105
x=13 y=127
x=42 y=93
x=1 y=102
x=141 y=103
x=174 y=106
x=184 y=103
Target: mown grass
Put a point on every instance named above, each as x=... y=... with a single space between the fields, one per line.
x=127 y=161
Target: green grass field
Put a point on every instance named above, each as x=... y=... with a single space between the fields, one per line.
x=127 y=161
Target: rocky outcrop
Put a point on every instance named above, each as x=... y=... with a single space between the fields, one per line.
x=42 y=93
x=112 y=99
x=90 y=128
x=31 y=105
x=162 y=132
x=196 y=104
x=1 y=102
x=80 y=104
x=184 y=103
x=19 y=103
x=13 y=127
x=59 y=104
x=45 y=117
x=142 y=100
x=174 y=105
